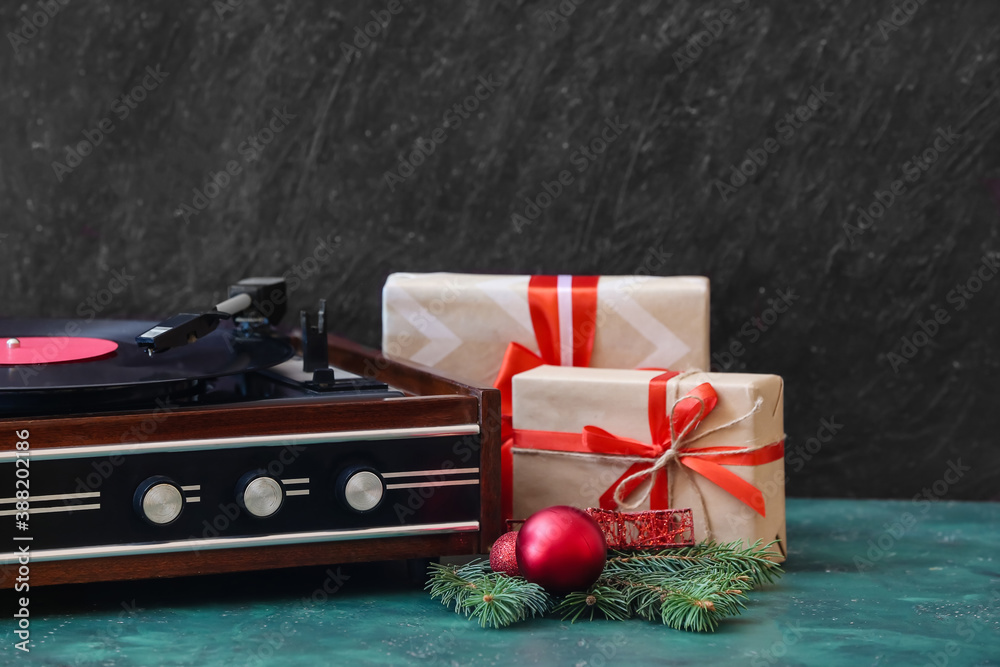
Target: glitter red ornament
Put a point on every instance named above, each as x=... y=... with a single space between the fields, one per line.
x=503 y=558
x=562 y=549
x=652 y=529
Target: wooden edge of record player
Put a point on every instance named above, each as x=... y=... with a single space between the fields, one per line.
x=421 y=380
x=445 y=400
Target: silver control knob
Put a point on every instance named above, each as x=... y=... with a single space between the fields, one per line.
x=260 y=495
x=158 y=500
x=361 y=489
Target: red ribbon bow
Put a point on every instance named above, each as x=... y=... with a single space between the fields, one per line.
x=543 y=302
x=667 y=430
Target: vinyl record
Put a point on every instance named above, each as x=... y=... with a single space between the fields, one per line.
x=127 y=373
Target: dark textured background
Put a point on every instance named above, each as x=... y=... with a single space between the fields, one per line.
x=323 y=176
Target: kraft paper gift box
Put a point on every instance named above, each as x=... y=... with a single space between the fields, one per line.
x=581 y=433
x=463 y=325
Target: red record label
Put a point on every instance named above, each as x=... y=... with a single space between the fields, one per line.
x=52 y=349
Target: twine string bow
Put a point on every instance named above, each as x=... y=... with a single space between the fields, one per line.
x=672 y=434
x=670 y=454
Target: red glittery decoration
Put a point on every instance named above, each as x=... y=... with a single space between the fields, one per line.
x=503 y=558
x=645 y=530
x=654 y=529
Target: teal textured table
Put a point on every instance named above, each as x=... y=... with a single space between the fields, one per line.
x=867 y=583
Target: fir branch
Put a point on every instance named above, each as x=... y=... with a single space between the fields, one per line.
x=680 y=604
x=709 y=560
x=448 y=581
x=691 y=588
x=496 y=600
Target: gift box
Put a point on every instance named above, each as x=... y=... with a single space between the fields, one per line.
x=470 y=326
x=645 y=439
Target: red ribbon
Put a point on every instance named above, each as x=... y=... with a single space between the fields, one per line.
x=543 y=302
x=687 y=413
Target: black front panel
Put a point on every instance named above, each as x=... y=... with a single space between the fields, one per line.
x=420 y=475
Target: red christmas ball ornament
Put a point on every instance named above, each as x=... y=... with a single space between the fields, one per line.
x=562 y=549
x=502 y=555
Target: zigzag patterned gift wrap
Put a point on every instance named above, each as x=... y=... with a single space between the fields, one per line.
x=639 y=439
x=463 y=325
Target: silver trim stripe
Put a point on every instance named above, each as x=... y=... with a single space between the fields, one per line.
x=58 y=496
x=299 y=492
x=419 y=485
x=296 y=480
x=257 y=441
x=191 y=487
x=49 y=510
x=238 y=542
x=445 y=471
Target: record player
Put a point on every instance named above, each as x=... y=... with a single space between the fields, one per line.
x=208 y=443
